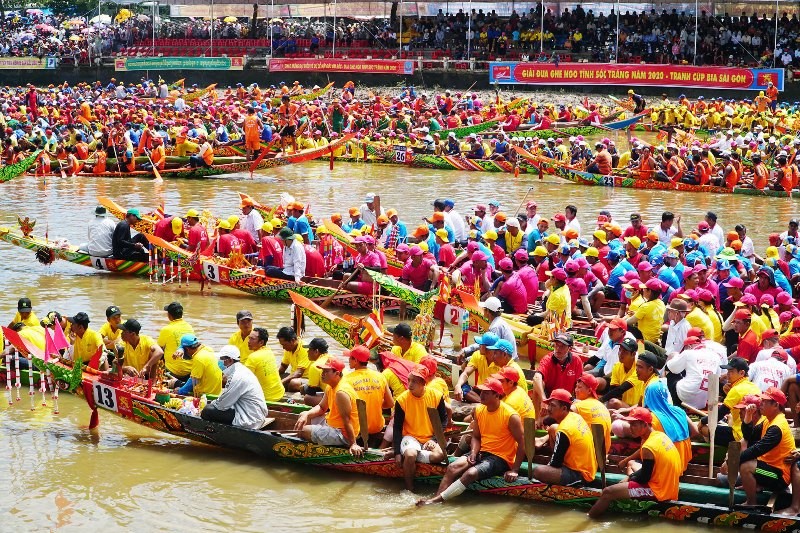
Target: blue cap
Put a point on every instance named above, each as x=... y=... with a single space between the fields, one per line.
x=487 y=339
x=189 y=341
x=449 y=202
x=613 y=255
x=723 y=264
x=564 y=249
x=657 y=260
x=495 y=203
x=583 y=242
x=504 y=345
x=689 y=244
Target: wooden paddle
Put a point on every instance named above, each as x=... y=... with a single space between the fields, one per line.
x=156 y=173
x=529 y=428
x=344 y=282
x=713 y=418
x=599 y=439
x=361 y=405
x=734 y=454
x=438 y=430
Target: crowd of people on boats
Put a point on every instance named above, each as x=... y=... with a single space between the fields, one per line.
x=675 y=306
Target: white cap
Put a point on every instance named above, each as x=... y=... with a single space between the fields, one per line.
x=512 y=222
x=370 y=197
x=492 y=304
x=230 y=351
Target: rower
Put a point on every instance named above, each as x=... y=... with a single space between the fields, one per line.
x=206 y=376
x=295 y=356
x=738 y=387
x=419 y=271
x=560 y=369
x=493 y=311
x=169 y=228
x=502 y=351
x=496 y=447
x=205 y=157
x=370 y=386
x=590 y=408
x=515 y=395
x=474 y=273
x=317 y=351
x=242 y=401
x=169 y=340
x=24 y=313
x=656 y=477
x=478 y=362
x=227 y=241
x=141 y=353
x=624 y=388
x=244 y=320
x=87 y=341
x=110 y=331
x=341 y=427
x=403 y=344
x=124 y=245
x=252 y=133
x=573 y=461
x=413 y=439
x=197 y=235
x=763 y=465
x=261 y=362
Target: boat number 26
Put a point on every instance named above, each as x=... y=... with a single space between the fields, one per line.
x=105 y=396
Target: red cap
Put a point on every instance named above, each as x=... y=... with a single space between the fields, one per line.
x=780 y=354
x=769 y=334
x=775 y=394
x=559 y=217
x=618 y=323
x=419 y=371
x=703 y=226
x=430 y=364
x=742 y=314
x=492 y=385
x=359 y=353
x=561 y=395
x=750 y=399
x=690 y=341
x=332 y=364
x=695 y=332
x=654 y=284
x=590 y=381
x=507 y=372
x=796 y=323
x=639 y=414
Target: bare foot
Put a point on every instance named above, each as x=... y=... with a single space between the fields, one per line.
x=789 y=511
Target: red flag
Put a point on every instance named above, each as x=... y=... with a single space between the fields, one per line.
x=24 y=346
x=88 y=393
x=59 y=338
x=401 y=367
x=94 y=362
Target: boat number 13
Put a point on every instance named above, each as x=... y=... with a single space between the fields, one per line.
x=105 y=396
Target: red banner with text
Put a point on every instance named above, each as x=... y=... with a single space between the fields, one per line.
x=634 y=75
x=364 y=66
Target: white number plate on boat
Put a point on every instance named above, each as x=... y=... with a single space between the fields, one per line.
x=105 y=396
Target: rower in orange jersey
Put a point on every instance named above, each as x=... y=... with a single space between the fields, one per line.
x=785 y=178
x=760 y=173
x=252 y=132
x=761 y=102
x=287 y=112
x=772 y=94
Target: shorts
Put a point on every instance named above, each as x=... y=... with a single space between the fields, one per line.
x=311 y=391
x=640 y=492
x=254 y=144
x=410 y=443
x=327 y=435
x=490 y=465
x=610 y=293
x=769 y=477
x=570 y=477
x=288 y=131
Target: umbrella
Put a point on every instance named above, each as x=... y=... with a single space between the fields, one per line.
x=75 y=37
x=27 y=36
x=34 y=12
x=123 y=15
x=46 y=28
x=101 y=19
x=279 y=21
x=142 y=18
x=229 y=19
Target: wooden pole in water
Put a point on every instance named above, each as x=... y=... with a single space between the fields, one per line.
x=16 y=370
x=8 y=379
x=31 y=391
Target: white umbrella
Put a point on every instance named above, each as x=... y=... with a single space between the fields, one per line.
x=142 y=18
x=100 y=20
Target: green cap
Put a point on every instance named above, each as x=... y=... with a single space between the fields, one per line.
x=285 y=233
x=134 y=212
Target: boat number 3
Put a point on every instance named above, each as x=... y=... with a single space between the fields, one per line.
x=608 y=181
x=211 y=271
x=105 y=396
x=99 y=263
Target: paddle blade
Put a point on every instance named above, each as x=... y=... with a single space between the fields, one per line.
x=599 y=441
x=734 y=454
x=361 y=406
x=438 y=430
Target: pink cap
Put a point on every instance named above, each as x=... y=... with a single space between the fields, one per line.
x=505 y=264
x=644 y=266
x=734 y=282
x=784 y=298
x=478 y=256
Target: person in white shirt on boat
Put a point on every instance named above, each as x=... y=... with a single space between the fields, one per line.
x=695 y=363
x=251 y=220
x=242 y=401
x=771 y=372
x=571 y=212
x=368 y=210
x=455 y=220
x=670 y=227
x=100 y=232
x=294 y=258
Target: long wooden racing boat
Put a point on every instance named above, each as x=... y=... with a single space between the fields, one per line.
x=272 y=160
x=395 y=267
x=702 y=504
x=47 y=251
x=9 y=172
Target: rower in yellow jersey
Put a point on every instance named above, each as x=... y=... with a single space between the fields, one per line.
x=496 y=447
x=87 y=341
x=110 y=330
x=244 y=320
x=295 y=356
x=169 y=339
x=515 y=397
x=413 y=438
x=317 y=352
x=590 y=408
x=370 y=386
x=141 y=353
x=656 y=477
x=405 y=346
x=480 y=358
x=261 y=362
x=206 y=375
x=573 y=460
x=24 y=313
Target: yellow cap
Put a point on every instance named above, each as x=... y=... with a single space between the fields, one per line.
x=636 y=242
x=423 y=246
x=675 y=242
x=539 y=251
x=490 y=235
x=177 y=225
x=224 y=224
x=266 y=226
x=553 y=239
x=772 y=251
x=233 y=220
x=192 y=213
x=592 y=252
x=276 y=222
x=322 y=230
x=601 y=236
x=442 y=234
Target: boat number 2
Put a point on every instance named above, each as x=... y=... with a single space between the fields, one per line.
x=453 y=314
x=105 y=397
x=211 y=272
x=608 y=181
x=99 y=263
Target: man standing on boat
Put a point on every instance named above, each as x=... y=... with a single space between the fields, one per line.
x=656 y=477
x=100 y=233
x=242 y=401
x=169 y=339
x=251 y=220
x=496 y=446
x=341 y=426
